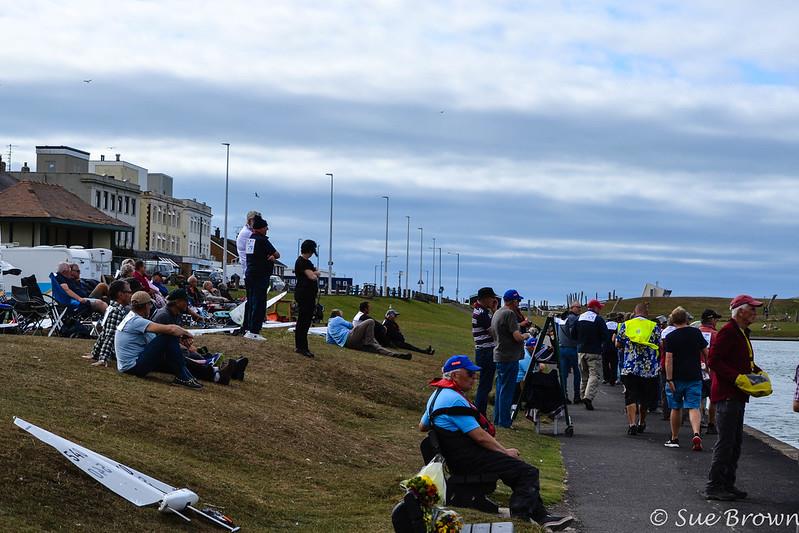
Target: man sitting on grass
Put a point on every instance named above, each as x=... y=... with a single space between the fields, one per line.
x=470 y=448
x=142 y=346
x=360 y=337
x=396 y=339
x=119 y=294
x=177 y=303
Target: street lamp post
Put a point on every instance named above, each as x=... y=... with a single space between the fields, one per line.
x=385 y=272
x=432 y=287
x=440 y=281
x=330 y=242
x=421 y=256
x=227 y=176
x=457 y=275
x=376 y=274
x=407 y=253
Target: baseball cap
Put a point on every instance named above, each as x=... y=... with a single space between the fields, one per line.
x=486 y=292
x=177 y=294
x=391 y=312
x=457 y=362
x=530 y=343
x=708 y=314
x=512 y=294
x=594 y=303
x=140 y=298
x=743 y=299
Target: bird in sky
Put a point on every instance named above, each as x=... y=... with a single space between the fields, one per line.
x=256 y=195
x=87 y=81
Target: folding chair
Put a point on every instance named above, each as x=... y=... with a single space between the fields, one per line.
x=27 y=312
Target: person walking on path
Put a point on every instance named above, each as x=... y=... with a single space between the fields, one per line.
x=639 y=338
x=610 y=356
x=591 y=334
x=730 y=356
x=509 y=350
x=261 y=257
x=484 y=344
x=796 y=394
x=567 y=341
x=685 y=349
x=708 y=328
x=305 y=296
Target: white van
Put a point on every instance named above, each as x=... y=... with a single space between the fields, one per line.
x=42 y=260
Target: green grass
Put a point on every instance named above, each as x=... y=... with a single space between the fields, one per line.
x=695 y=306
x=304 y=445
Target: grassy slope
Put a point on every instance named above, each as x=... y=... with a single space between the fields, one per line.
x=304 y=445
x=695 y=306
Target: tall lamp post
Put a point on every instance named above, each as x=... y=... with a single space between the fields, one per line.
x=407 y=252
x=457 y=275
x=421 y=256
x=440 y=282
x=432 y=287
x=385 y=272
x=330 y=241
x=227 y=176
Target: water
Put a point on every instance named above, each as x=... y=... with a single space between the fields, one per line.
x=774 y=414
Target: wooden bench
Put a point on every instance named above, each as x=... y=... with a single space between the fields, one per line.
x=497 y=527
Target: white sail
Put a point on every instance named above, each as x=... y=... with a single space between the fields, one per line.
x=139 y=489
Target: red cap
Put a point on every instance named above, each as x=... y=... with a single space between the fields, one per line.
x=743 y=299
x=594 y=303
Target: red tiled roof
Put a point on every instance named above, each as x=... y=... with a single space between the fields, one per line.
x=30 y=199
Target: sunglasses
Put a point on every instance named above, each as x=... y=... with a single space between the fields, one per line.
x=471 y=373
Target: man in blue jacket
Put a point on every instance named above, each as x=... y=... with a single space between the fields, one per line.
x=591 y=336
x=360 y=337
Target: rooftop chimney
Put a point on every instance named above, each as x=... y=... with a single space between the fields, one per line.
x=25 y=167
x=118 y=156
x=217 y=233
x=102 y=158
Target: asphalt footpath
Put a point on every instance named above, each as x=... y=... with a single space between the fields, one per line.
x=619 y=484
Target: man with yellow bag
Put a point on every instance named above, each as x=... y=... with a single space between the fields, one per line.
x=737 y=377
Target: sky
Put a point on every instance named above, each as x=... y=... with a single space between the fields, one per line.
x=555 y=146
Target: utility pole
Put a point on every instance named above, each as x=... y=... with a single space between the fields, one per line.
x=407 y=252
x=457 y=275
x=385 y=273
x=433 y=287
x=440 y=283
x=330 y=242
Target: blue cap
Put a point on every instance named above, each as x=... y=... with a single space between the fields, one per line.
x=512 y=294
x=457 y=362
x=530 y=342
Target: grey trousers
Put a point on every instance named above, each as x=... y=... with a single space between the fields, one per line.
x=727 y=450
x=590 y=368
x=362 y=337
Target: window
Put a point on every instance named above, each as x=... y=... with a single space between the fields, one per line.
x=113 y=202
x=133 y=206
x=105 y=200
x=97 y=199
x=50 y=166
x=119 y=200
x=127 y=205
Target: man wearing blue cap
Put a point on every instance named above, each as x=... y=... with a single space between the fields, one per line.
x=509 y=350
x=467 y=442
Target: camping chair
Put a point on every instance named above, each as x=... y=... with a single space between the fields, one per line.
x=66 y=309
x=28 y=312
x=463 y=490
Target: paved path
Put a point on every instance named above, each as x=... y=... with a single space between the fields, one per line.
x=615 y=482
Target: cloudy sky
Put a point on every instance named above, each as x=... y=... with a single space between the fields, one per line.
x=557 y=146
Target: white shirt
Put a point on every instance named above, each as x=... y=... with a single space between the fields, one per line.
x=241 y=246
x=357 y=318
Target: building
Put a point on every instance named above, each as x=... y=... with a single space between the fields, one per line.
x=196 y=226
x=69 y=168
x=35 y=213
x=655 y=291
x=160 y=220
x=118 y=169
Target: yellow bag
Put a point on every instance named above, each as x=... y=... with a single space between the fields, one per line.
x=756 y=384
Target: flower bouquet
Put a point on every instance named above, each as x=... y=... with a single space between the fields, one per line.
x=446 y=521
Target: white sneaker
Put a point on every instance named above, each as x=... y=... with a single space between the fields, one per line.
x=254 y=336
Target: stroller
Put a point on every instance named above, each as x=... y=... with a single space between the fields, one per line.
x=540 y=391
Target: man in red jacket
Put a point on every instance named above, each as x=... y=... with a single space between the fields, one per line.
x=730 y=356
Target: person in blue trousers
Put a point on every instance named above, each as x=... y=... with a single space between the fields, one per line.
x=567 y=362
x=509 y=350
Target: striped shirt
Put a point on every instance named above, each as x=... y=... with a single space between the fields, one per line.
x=481 y=324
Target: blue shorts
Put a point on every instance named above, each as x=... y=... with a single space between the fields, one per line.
x=686 y=395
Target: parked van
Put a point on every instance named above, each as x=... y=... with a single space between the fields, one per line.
x=42 y=260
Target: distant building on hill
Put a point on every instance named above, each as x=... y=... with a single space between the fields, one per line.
x=655 y=291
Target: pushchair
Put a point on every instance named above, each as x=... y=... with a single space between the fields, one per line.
x=541 y=394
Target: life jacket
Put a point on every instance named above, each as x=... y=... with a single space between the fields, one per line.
x=472 y=411
x=639 y=330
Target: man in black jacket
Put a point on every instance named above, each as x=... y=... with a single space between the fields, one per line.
x=591 y=336
x=396 y=339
